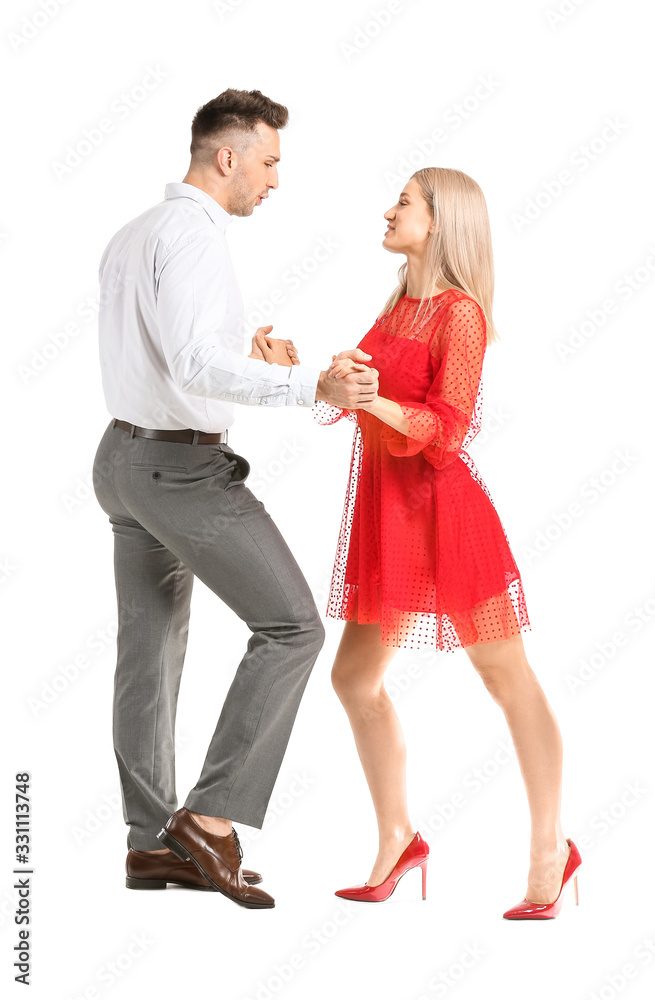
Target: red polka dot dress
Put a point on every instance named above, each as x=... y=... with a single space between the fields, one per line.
x=421 y=547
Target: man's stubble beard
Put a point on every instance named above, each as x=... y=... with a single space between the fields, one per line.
x=242 y=197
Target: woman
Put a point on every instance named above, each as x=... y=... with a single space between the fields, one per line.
x=422 y=557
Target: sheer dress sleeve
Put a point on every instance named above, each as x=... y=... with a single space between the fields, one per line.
x=438 y=426
x=326 y=413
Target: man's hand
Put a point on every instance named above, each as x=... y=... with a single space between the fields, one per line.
x=273 y=350
x=355 y=390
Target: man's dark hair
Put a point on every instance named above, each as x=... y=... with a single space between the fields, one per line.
x=230 y=120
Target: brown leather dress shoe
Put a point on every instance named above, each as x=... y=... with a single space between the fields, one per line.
x=217 y=858
x=145 y=870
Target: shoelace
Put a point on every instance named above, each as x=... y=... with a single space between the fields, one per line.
x=238 y=843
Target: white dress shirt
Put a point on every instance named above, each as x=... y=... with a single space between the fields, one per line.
x=172 y=337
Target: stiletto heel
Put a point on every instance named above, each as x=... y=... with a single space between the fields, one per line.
x=526 y=910
x=415 y=854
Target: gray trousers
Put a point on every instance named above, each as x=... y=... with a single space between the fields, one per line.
x=179 y=511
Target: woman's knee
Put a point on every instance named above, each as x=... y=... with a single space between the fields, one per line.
x=360 y=663
x=362 y=699
x=504 y=670
x=342 y=677
x=349 y=683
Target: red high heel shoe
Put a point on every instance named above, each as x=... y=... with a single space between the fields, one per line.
x=525 y=910
x=415 y=854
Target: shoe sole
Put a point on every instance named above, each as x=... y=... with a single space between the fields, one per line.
x=173 y=845
x=157 y=883
x=364 y=899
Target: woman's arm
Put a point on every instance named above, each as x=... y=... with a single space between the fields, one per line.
x=438 y=426
x=390 y=412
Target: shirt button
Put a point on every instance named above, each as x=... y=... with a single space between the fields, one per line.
x=264 y=401
x=301 y=400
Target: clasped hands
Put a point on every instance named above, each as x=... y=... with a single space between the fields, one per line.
x=346 y=383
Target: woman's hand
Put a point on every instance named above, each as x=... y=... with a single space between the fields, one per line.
x=273 y=350
x=340 y=368
x=356 y=354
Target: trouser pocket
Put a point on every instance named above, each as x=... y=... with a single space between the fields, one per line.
x=238 y=466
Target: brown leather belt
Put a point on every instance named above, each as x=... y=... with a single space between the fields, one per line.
x=185 y=436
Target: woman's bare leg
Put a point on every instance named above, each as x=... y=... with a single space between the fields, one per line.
x=507 y=675
x=357 y=677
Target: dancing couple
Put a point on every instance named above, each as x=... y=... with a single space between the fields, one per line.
x=422 y=558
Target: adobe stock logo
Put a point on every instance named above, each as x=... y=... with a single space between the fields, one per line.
x=584 y=156
x=32 y=25
x=379 y=19
x=121 y=108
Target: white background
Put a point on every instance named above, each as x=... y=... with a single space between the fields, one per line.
x=559 y=429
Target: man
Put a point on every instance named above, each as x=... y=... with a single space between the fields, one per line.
x=171 y=350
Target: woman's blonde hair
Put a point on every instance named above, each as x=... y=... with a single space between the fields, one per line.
x=458 y=252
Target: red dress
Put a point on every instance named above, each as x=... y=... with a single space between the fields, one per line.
x=421 y=547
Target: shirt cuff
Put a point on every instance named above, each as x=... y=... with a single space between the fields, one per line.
x=300 y=389
x=303 y=385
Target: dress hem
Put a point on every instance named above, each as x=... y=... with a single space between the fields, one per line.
x=499 y=617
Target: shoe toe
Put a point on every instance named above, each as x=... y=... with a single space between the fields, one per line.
x=516 y=910
x=354 y=891
x=527 y=909
x=258 y=897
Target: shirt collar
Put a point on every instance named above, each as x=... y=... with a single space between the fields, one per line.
x=216 y=212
